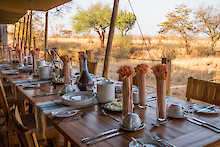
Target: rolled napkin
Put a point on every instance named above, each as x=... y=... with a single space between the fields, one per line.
x=127 y=73
x=81 y=54
x=141 y=71
x=160 y=72
x=34 y=56
x=66 y=68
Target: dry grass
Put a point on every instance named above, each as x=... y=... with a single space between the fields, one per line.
x=198 y=65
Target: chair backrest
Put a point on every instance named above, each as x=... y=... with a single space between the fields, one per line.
x=92 y=67
x=217 y=94
x=26 y=137
x=3 y=100
x=200 y=90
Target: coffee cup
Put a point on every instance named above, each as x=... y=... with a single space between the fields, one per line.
x=105 y=91
x=175 y=111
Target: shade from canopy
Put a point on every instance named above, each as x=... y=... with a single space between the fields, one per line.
x=12 y=10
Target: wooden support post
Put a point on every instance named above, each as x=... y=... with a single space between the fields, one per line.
x=110 y=39
x=22 y=39
x=26 y=39
x=45 y=35
x=18 y=38
x=30 y=38
x=167 y=61
x=34 y=42
x=14 y=35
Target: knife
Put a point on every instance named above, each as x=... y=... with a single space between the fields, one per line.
x=204 y=122
x=208 y=107
x=105 y=137
x=203 y=125
x=99 y=135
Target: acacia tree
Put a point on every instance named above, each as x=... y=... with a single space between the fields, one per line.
x=179 y=21
x=208 y=22
x=125 y=22
x=96 y=18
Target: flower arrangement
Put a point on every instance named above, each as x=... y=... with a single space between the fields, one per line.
x=142 y=68
x=160 y=71
x=65 y=58
x=126 y=71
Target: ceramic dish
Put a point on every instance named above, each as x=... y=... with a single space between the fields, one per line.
x=78 y=99
x=146 y=141
x=133 y=130
x=213 y=110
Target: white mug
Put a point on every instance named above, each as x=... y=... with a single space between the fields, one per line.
x=106 y=91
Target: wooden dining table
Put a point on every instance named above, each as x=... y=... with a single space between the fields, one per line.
x=178 y=132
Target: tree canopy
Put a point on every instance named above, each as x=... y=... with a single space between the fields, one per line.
x=208 y=22
x=125 y=22
x=96 y=18
x=179 y=21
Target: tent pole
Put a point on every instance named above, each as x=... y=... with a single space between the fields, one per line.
x=19 y=28
x=26 y=39
x=110 y=39
x=22 y=39
x=46 y=35
x=14 y=35
x=30 y=38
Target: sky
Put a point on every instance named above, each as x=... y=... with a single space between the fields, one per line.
x=149 y=13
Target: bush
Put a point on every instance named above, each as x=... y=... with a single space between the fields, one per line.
x=123 y=45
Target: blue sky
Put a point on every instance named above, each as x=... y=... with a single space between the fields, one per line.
x=149 y=13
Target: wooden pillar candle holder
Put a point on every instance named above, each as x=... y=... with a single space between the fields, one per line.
x=66 y=68
x=160 y=72
x=34 y=56
x=20 y=56
x=127 y=73
x=10 y=54
x=141 y=71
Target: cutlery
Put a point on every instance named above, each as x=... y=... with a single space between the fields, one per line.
x=208 y=107
x=203 y=125
x=109 y=115
x=48 y=94
x=204 y=122
x=99 y=135
x=162 y=142
x=105 y=138
x=138 y=141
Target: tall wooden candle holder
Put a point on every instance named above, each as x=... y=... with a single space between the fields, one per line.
x=34 y=56
x=81 y=54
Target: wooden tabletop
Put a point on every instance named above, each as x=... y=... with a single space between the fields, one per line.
x=179 y=132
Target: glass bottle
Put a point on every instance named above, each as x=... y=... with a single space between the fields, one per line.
x=85 y=81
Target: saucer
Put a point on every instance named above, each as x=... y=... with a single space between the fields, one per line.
x=176 y=115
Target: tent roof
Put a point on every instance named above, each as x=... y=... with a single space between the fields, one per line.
x=12 y=10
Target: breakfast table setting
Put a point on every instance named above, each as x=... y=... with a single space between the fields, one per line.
x=89 y=110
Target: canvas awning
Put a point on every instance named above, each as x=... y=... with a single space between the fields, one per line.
x=12 y=10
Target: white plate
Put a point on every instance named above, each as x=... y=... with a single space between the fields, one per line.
x=64 y=113
x=214 y=110
x=146 y=141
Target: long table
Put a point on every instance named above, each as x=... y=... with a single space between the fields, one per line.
x=179 y=132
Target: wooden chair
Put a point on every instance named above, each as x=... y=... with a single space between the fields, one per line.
x=28 y=120
x=200 y=90
x=26 y=136
x=217 y=94
x=92 y=67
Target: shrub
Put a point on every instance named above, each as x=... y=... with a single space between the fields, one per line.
x=123 y=45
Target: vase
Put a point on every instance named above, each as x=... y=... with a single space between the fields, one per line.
x=127 y=96
x=161 y=99
x=141 y=88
